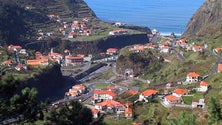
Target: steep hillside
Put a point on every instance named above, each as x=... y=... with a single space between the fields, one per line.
x=207 y=21
x=21 y=19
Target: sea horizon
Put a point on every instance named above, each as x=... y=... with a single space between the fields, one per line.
x=166 y=16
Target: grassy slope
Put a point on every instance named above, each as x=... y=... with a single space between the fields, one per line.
x=198 y=62
x=177 y=70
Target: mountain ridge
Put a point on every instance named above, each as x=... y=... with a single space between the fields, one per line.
x=206 y=22
x=20 y=20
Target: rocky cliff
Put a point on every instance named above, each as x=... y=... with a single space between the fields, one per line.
x=207 y=21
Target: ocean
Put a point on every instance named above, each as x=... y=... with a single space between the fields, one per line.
x=166 y=16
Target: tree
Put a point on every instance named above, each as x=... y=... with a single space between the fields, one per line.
x=215 y=111
x=8 y=85
x=73 y=113
x=183 y=119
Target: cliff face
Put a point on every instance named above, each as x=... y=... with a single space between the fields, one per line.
x=207 y=21
x=50 y=84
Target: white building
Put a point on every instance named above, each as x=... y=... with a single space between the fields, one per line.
x=192 y=77
x=102 y=95
x=203 y=86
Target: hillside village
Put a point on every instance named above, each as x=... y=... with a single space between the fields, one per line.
x=105 y=101
x=142 y=88
x=85 y=27
x=171 y=95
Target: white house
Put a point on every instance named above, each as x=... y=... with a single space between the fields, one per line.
x=171 y=99
x=219 y=68
x=203 y=86
x=23 y=51
x=200 y=104
x=179 y=92
x=192 y=77
x=197 y=48
x=165 y=49
x=95 y=113
x=102 y=95
x=147 y=94
x=128 y=112
x=110 y=105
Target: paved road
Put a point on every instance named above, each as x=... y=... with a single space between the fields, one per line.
x=120 y=75
x=219 y=60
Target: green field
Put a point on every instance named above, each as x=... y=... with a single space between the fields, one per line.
x=101 y=85
x=187 y=99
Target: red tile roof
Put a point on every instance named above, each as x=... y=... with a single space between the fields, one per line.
x=102 y=92
x=111 y=87
x=149 y=92
x=218 y=49
x=79 y=87
x=180 y=91
x=95 y=111
x=19 y=66
x=135 y=123
x=36 y=62
x=219 y=67
x=8 y=62
x=203 y=83
x=197 y=47
x=193 y=74
x=132 y=92
x=110 y=103
x=128 y=111
x=128 y=104
x=112 y=50
x=172 y=98
x=73 y=57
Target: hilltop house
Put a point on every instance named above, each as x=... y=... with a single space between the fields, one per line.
x=102 y=95
x=179 y=92
x=111 y=51
x=20 y=67
x=219 y=68
x=218 y=49
x=137 y=48
x=132 y=92
x=117 y=24
x=192 y=77
x=166 y=49
x=182 y=43
x=37 y=62
x=110 y=106
x=149 y=46
x=147 y=94
x=73 y=60
x=14 y=48
x=118 y=32
x=7 y=63
x=128 y=112
x=23 y=51
x=200 y=104
x=55 y=57
x=203 y=86
x=197 y=48
x=72 y=34
x=76 y=90
x=171 y=99
x=95 y=113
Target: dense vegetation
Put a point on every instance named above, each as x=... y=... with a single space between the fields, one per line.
x=16 y=24
x=137 y=61
x=25 y=107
